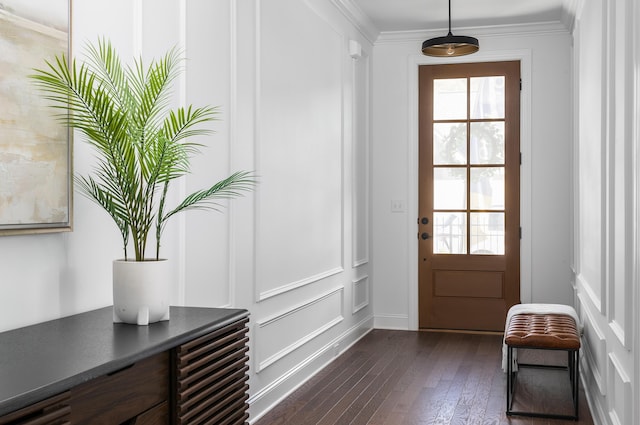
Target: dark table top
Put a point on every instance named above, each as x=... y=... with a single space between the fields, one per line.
x=42 y=360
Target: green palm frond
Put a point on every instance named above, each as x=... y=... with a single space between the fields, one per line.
x=141 y=144
x=231 y=187
x=208 y=199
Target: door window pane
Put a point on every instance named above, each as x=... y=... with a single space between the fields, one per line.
x=449 y=188
x=487 y=143
x=487 y=97
x=449 y=233
x=450 y=99
x=449 y=143
x=487 y=188
x=487 y=233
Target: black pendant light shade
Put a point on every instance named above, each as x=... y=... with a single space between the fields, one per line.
x=450 y=45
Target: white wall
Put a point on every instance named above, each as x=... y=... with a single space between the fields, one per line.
x=606 y=62
x=296 y=252
x=49 y=276
x=544 y=52
x=307 y=262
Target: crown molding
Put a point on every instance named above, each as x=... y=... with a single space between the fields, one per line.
x=358 y=18
x=543 y=28
x=352 y=12
x=569 y=13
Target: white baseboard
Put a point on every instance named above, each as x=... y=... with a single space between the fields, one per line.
x=391 y=321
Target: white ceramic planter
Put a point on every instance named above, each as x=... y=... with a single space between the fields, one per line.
x=141 y=291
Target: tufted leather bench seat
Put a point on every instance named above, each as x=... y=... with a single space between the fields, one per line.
x=544 y=331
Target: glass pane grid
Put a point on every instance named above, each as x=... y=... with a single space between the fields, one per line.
x=468 y=166
x=487 y=233
x=487 y=188
x=486 y=142
x=450 y=97
x=483 y=233
x=449 y=233
x=449 y=143
x=450 y=188
x=487 y=96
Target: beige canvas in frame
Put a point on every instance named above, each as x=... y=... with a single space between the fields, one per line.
x=35 y=148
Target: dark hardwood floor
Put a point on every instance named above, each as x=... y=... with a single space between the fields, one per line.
x=419 y=378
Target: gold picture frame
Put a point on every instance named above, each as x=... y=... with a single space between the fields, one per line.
x=36 y=164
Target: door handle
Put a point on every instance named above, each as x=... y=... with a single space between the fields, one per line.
x=424 y=236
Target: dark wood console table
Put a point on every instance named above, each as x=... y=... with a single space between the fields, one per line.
x=85 y=369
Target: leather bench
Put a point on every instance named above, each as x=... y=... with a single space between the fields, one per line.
x=542 y=331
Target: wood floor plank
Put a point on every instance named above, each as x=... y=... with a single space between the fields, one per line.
x=424 y=378
x=363 y=408
x=295 y=407
x=366 y=403
x=326 y=400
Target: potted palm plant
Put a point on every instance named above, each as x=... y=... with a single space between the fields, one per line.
x=141 y=146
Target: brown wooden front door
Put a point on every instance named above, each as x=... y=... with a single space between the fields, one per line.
x=469 y=200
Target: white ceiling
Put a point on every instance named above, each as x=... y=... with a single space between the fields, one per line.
x=418 y=15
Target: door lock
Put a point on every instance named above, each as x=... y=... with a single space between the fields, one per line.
x=424 y=220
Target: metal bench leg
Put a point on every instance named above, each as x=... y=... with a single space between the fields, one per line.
x=576 y=380
x=573 y=362
x=509 y=383
x=511 y=379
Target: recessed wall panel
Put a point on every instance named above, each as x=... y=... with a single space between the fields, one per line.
x=594 y=346
x=361 y=161
x=302 y=323
x=621 y=407
x=621 y=172
x=206 y=255
x=591 y=152
x=360 y=294
x=299 y=148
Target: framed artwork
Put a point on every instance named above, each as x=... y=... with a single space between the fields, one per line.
x=35 y=148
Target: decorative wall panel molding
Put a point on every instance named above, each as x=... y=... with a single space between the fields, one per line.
x=303 y=323
x=595 y=347
x=593 y=298
x=591 y=51
x=299 y=146
x=620 y=173
x=204 y=274
x=618 y=331
x=266 y=397
x=361 y=159
x=302 y=282
x=621 y=404
x=360 y=294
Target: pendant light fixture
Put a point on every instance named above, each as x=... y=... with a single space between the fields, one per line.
x=450 y=45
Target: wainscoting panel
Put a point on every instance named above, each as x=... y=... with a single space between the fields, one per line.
x=293 y=285
x=360 y=294
x=595 y=347
x=263 y=399
x=303 y=323
x=621 y=402
x=299 y=148
x=592 y=118
x=361 y=180
x=204 y=236
x=606 y=207
x=622 y=218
